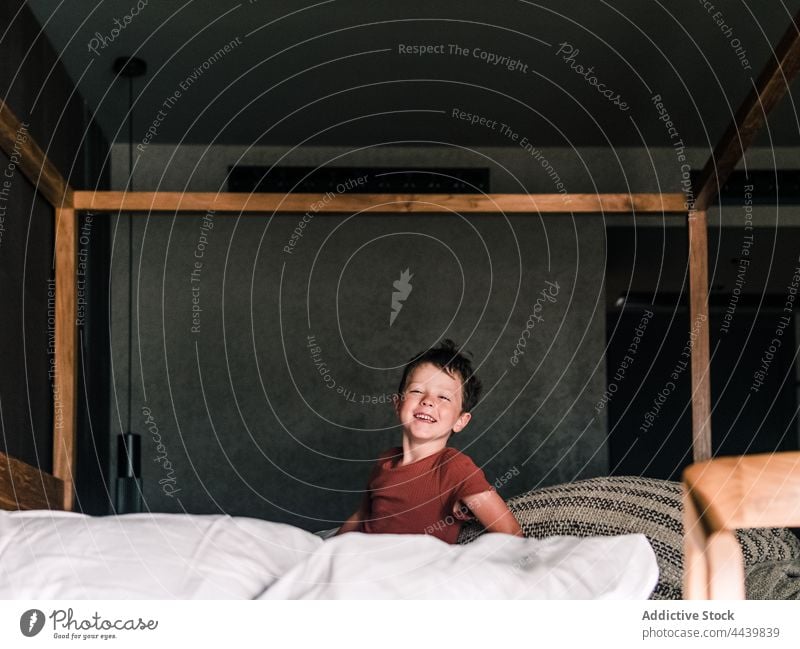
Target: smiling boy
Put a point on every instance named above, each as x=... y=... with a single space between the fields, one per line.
x=424 y=486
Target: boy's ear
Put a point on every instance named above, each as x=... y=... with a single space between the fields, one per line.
x=461 y=422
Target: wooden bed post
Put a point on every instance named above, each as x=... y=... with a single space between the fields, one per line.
x=65 y=381
x=772 y=85
x=695 y=571
x=697 y=222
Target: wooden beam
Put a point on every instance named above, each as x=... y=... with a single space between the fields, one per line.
x=387 y=203
x=698 y=332
x=23 y=486
x=18 y=144
x=65 y=382
x=772 y=85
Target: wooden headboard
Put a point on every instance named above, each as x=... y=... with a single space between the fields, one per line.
x=23 y=486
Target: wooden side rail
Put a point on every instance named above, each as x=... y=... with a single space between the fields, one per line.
x=726 y=494
x=23 y=486
x=34 y=164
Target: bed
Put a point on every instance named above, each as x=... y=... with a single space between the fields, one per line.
x=718 y=494
x=601 y=538
x=65 y=555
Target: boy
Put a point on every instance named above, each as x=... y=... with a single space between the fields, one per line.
x=423 y=486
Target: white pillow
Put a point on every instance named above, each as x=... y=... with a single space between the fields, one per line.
x=62 y=555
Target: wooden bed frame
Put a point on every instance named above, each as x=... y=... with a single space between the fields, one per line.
x=726 y=494
x=26 y=487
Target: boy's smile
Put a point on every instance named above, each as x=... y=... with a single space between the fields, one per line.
x=430 y=407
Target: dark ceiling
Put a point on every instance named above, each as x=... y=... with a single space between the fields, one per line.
x=339 y=73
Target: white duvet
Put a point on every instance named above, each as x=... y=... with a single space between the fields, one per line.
x=494 y=566
x=56 y=555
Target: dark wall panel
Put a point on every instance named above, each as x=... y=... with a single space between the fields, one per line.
x=239 y=412
x=27 y=308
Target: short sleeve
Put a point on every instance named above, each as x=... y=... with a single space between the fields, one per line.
x=464 y=478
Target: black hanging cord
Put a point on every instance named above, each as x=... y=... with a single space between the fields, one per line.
x=130 y=67
x=129 y=483
x=130 y=251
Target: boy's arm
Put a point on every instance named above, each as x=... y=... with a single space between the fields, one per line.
x=493 y=513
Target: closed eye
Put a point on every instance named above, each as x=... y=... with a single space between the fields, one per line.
x=441 y=396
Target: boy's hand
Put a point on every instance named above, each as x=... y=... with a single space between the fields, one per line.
x=353 y=524
x=461 y=512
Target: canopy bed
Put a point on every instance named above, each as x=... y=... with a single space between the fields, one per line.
x=717 y=494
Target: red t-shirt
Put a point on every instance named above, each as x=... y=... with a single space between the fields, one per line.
x=418 y=498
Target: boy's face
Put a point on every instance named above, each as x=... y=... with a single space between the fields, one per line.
x=430 y=408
